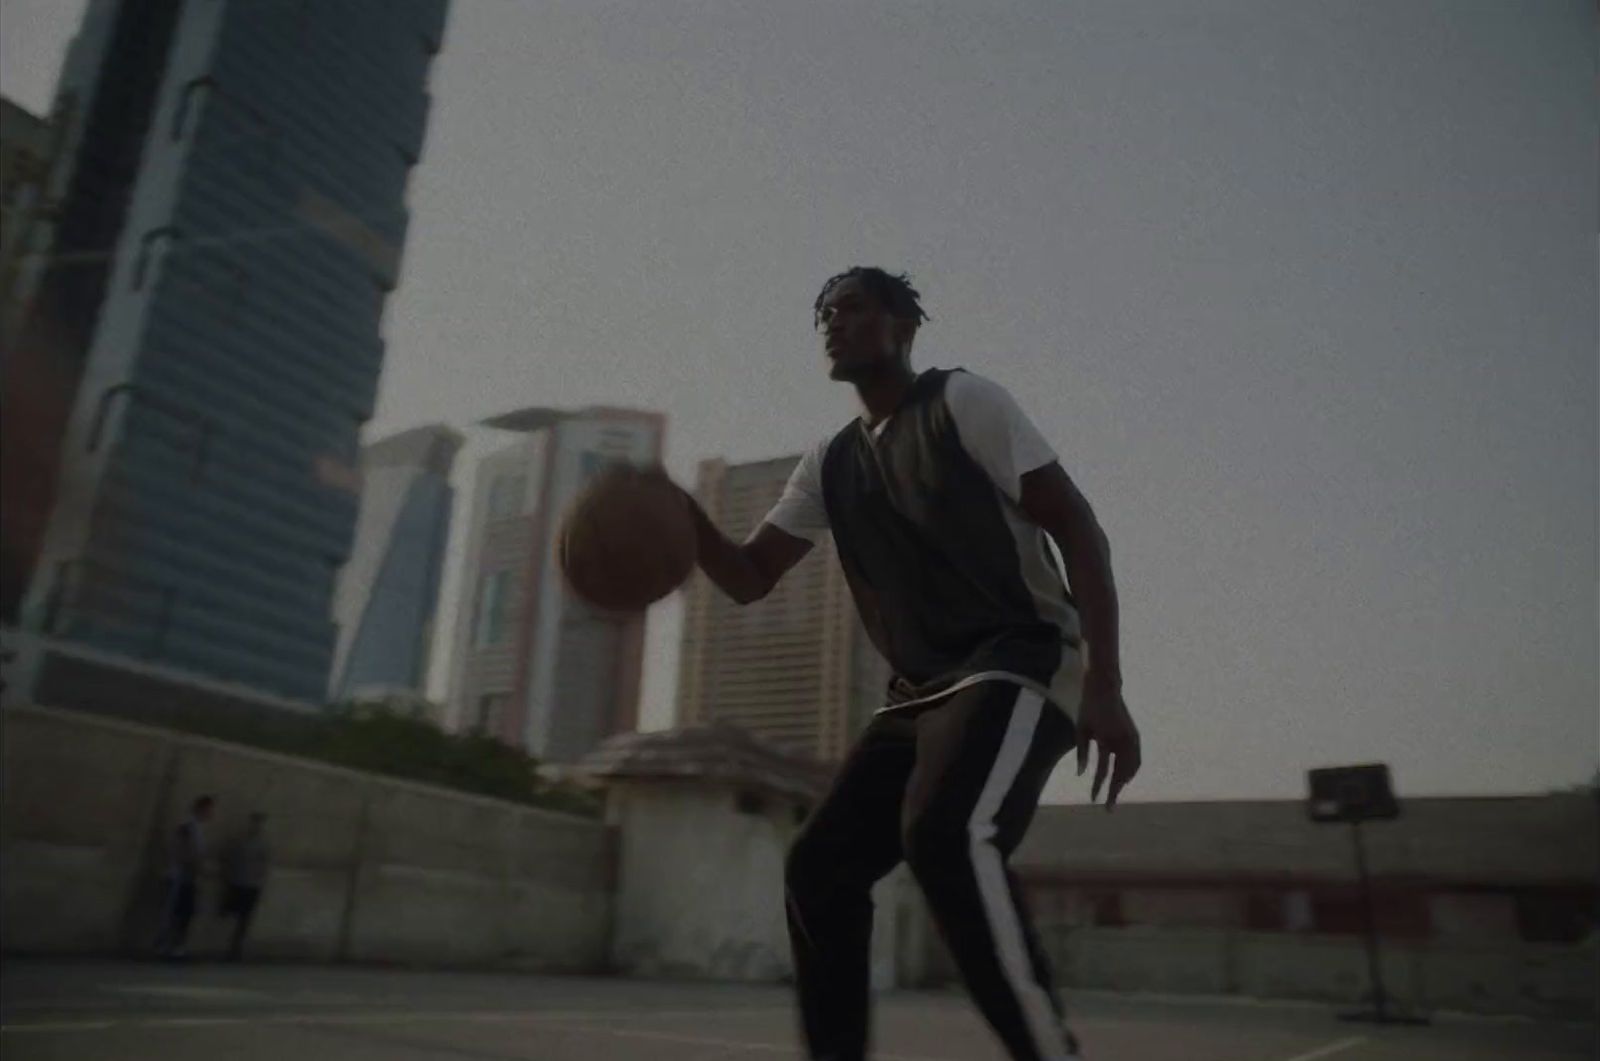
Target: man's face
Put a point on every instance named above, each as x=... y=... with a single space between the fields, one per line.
x=859 y=336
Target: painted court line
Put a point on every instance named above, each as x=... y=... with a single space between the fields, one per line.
x=563 y=1022
x=60 y=1026
x=408 y=1017
x=612 y=1014
x=504 y=1016
x=706 y=1040
x=1329 y=1050
x=615 y=1014
x=551 y=1017
x=194 y=994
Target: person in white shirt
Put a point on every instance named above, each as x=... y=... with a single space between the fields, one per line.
x=942 y=500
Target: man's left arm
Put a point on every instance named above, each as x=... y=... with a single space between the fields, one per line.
x=1009 y=447
x=1050 y=498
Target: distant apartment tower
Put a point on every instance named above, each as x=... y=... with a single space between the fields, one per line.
x=389 y=588
x=532 y=664
x=201 y=344
x=796 y=668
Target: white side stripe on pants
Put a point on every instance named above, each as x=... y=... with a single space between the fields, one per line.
x=993 y=893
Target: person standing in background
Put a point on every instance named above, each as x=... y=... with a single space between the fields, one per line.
x=183 y=880
x=244 y=874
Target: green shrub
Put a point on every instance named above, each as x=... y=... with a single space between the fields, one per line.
x=384 y=739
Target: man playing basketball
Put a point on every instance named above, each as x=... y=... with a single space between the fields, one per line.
x=939 y=500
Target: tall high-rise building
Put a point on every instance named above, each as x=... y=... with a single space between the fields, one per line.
x=229 y=203
x=389 y=588
x=532 y=664
x=25 y=140
x=797 y=667
x=26 y=145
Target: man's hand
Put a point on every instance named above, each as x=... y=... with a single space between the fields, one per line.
x=1103 y=719
x=746 y=571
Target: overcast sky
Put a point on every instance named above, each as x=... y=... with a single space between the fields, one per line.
x=1304 y=293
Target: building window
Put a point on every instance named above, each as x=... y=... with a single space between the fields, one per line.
x=506 y=495
x=1106 y=910
x=1476 y=915
x=1341 y=911
x=1556 y=915
x=1298 y=913
x=1268 y=911
x=490 y=622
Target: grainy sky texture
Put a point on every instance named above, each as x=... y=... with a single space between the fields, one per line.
x=1305 y=294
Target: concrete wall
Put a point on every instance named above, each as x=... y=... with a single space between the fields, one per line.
x=363 y=867
x=684 y=882
x=1463 y=857
x=1495 y=839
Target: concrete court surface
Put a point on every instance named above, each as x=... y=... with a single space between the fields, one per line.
x=95 y=1011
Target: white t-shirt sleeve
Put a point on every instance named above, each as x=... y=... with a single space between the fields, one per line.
x=995 y=431
x=800 y=511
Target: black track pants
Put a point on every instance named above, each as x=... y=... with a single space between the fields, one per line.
x=951 y=790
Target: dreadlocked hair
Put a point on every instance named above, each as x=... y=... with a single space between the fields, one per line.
x=893 y=291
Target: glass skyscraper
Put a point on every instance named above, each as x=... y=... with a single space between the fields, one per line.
x=231 y=211
x=388 y=591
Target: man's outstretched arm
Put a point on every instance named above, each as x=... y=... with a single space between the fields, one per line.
x=745 y=572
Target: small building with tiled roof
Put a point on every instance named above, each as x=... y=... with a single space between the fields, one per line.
x=716 y=754
x=704 y=817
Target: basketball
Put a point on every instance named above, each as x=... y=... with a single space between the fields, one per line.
x=627 y=540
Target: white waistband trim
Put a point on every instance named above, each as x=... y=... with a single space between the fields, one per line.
x=970 y=680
